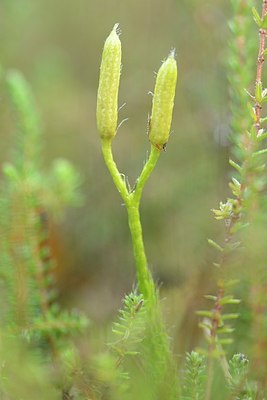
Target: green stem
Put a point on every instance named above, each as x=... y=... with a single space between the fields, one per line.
x=145 y=281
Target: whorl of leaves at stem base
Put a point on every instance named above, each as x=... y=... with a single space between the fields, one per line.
x=163 y=101
x=194 y=377
x=108 y=89
x=130 y=327
x=239 y=386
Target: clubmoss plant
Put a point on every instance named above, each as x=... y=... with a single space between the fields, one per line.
x=159 y=130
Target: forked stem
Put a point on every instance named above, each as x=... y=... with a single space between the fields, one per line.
x=145 y=174
x=132 y=201
x=114 y=172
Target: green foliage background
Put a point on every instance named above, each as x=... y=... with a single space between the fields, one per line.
x=57 y=46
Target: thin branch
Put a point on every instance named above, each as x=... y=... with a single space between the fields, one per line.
x=260 y=62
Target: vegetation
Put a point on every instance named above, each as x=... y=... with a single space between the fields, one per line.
x=50 y=351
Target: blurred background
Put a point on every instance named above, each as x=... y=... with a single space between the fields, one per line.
x=58 y=45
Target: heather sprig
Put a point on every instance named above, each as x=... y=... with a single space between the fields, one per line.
x=29 y=200
x=241 y=210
